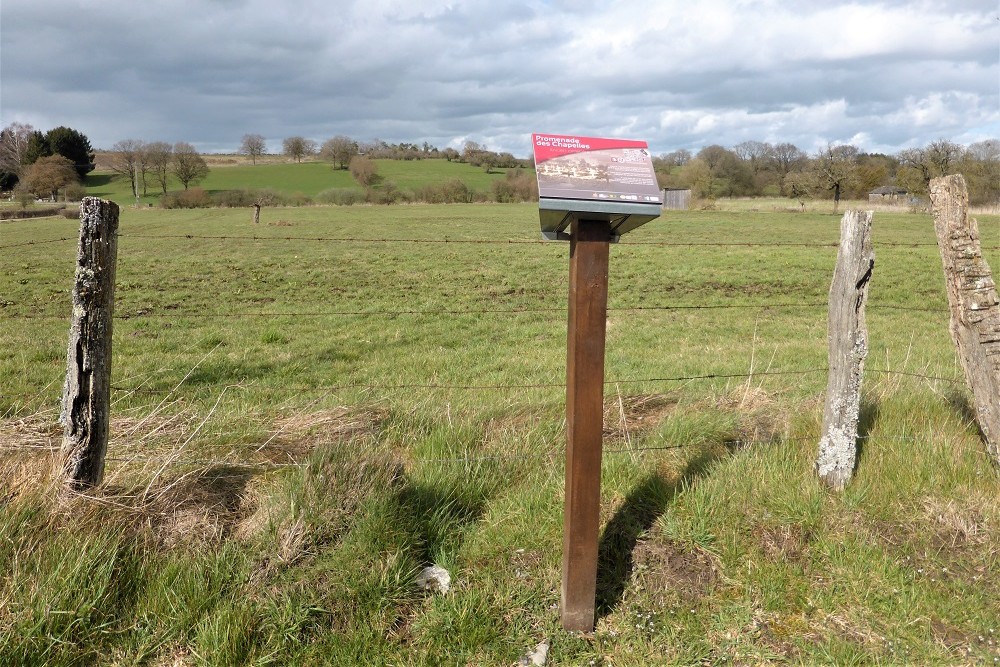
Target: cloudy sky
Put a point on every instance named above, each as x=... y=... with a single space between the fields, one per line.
x=882 y=75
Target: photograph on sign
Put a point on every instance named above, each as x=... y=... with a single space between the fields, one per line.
x=590 y=168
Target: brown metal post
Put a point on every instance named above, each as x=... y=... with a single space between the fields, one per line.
x=588 y=306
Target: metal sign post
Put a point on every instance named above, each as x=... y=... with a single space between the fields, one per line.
x=591 y=191
x=588 y=306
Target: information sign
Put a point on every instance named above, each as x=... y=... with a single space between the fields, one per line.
x=594 y=178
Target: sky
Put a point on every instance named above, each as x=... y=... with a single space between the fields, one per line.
x=883 y=76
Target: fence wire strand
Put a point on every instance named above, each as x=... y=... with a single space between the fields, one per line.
x=434 y=386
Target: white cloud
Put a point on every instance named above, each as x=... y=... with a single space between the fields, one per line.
x=884 y=74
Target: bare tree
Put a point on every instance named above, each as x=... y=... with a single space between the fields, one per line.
x=943 y=155
x=364 y=170
x=988 y=150
x=754 y=153
x=187 y=165
x=339 y=150
x=677 y=158
x=786 y=158
x=48 y=174
x=915 y=171
x=126 y=155
x=471 y=152
x=298 y=147
x=14 y=140
x=158 y=155
x=254 y=146
x=836 y=168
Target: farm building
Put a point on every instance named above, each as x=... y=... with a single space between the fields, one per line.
x=887 y=193
x=676 y=199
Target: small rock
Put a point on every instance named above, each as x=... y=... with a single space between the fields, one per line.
x=434 y=578
x=537 y=657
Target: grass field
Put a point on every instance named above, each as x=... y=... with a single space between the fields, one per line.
x=306 y=418
x=308 y=178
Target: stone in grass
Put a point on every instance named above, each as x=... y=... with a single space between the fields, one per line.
x=537 y=657
x=434 y=578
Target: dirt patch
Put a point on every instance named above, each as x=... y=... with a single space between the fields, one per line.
x=785 y=542
x=946 y=540
x=527 y=563
x=974 y=648
x=955 y=526
x=174 y=656
x=626 y=417
x=949 y=636
x=667 y=571
x=777 y=632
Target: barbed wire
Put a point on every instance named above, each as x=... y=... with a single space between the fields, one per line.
x=446 y=241
x=174 y=313
x=507 y=242
x=884 y=371
x=548 y=454
x=329 y=390
x=27 y=243
x=334 y=239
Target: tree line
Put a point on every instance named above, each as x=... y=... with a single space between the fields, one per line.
x=757 y=168
x=140 y=162
x=340 y=150
x=33 y=163
x=42 y=163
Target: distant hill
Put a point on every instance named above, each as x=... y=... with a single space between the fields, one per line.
x=234 y=172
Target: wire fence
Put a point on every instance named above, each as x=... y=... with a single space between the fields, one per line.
x=173 y=313
x=376 y=388
x=499 y=242
x=217 y=466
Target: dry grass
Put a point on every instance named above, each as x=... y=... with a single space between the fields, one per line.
x=629 y=416
x=154 y=488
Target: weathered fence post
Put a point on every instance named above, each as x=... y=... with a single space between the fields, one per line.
x=972 y=298
x=848 y=338
x=87 y=392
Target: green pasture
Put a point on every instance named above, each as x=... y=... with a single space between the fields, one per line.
x=310 y=410
x=309 y=178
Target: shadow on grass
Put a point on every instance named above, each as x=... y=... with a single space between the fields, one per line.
x=960 y=403
x=642 y=507
x=867 y=418
x=437 y=518
x=98 y=180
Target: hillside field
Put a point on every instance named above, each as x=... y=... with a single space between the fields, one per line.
x=309 y=178
x=310 y=410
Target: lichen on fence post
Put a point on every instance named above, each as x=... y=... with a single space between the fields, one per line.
x=848 y=340
x=972 y=300
x=87 y=391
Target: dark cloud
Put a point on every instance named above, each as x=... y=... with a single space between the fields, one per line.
x=887 y=74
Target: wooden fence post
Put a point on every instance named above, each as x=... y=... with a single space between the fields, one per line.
x=87 y=392
x=972 y=299
x=848 y=339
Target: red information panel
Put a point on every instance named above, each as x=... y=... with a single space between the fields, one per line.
x=595 y=169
